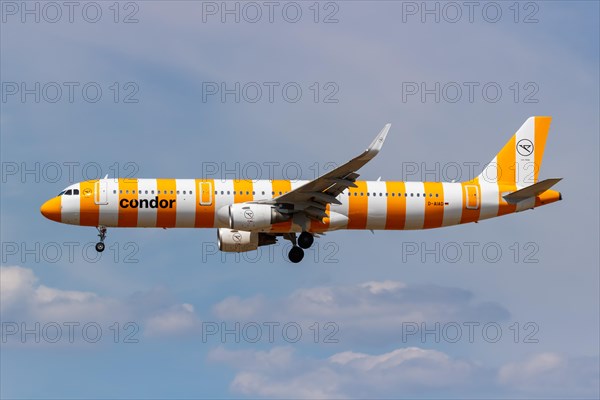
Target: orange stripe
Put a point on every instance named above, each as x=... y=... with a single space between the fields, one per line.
x=358 y=206
x=542 y=126
x=396 y=206
x=89 y=211
x=166 y=217
x=434 y=206
x=503 y=206
x=506 y=162
x=242 y=190
x=316 y=226
x=205 y=214
x=469 y=215
x=128 y=189
x=283 y=187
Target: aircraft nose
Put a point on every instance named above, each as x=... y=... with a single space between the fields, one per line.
x=51 y=209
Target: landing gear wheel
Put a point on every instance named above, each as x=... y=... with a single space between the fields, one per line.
x=296 y=254
x=102 y=236
x=305 y=240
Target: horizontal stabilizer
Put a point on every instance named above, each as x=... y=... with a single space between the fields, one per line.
x=531 y=191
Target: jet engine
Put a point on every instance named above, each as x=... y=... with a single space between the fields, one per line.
x=235 y=241
x=250 y=217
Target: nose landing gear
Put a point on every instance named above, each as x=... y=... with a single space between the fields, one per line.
x=102 y=236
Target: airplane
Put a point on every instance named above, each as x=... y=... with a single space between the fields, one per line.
x=248 y=214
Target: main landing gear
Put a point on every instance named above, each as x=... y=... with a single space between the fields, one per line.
x=102 y=235
x=304 y=241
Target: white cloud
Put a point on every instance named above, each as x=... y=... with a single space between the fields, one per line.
x=551 y=373
x=281 y=373
x=402 y=372
x=24 y=299
x=16 y=284
x=178 y=319
x=237 y=308
x=356 y=309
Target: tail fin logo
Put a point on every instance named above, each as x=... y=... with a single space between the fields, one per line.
x=525 y=147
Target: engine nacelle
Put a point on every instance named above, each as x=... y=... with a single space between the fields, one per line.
x=250 y=217
x=235 y=241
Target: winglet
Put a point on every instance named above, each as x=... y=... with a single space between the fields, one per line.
x=377 y=143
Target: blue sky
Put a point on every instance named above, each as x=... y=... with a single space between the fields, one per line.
x=173 y=287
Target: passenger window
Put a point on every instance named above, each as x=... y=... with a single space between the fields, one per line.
x=418 y=194
x=437 y=195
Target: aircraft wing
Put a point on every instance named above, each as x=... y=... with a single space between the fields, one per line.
x=314 y=196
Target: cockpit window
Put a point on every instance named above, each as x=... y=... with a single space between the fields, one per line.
x=68 y=192
x=61 y=193
x=76 y=191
